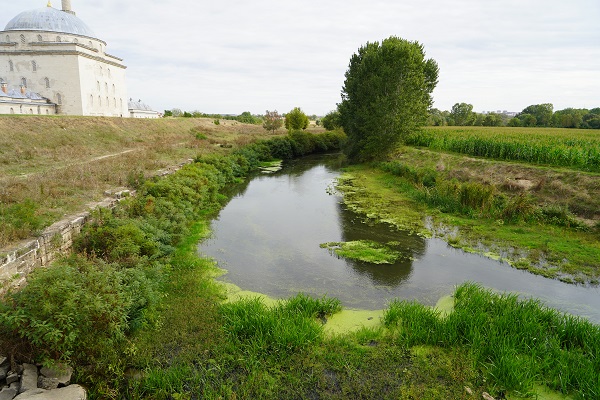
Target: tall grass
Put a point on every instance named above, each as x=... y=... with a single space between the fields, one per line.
x=557 y=147
x=518 y=343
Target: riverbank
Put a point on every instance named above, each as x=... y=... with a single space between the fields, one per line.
x=138 y=315
x=499 y=209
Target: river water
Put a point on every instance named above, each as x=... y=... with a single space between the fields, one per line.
x=267 y=238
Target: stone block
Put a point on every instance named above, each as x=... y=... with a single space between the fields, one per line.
x=8 y=393
x=73 y=392
x=29 y=379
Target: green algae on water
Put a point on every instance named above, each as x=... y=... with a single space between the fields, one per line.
x=363 y=250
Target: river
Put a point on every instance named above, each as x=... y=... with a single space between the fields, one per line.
x=268 y=239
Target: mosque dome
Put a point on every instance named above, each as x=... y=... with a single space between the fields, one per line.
x=50 y=20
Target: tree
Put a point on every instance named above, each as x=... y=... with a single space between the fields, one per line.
x=332 y=120
x=493 y=119
x=272 y=121
x=386 y=96
x=176 y=112
x=247 y=118
x=296 y=120
x=541 y=112
x=462 y=114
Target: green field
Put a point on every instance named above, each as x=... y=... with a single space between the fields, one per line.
x=573 y=148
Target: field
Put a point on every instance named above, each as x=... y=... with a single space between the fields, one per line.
x=572 y=148
x=54 y=166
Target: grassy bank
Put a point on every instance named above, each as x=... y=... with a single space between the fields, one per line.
x=139 y=316
x=526 y=220
x=52 y=166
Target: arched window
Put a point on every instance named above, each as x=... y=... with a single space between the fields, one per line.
x=23 y=41
x=106 y=87
x=75 y=40
x=107 y=102
x=115 y=101
x=47 y=111
x=91 y=100
x=47 y=82
x=58 y=98
x=98 y=85
x=39 y=110
x=114 y=90
x=11 y=66
x=90 y=43
x=24 y=82
x=99 y=101
x=7 y=39
x=34 y=66
x=121 y=103
x=31 y=111
x=12 y=110
x=109 y=73
x=58 y=39
x=40 y=39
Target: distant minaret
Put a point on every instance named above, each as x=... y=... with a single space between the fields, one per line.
x=66 y=7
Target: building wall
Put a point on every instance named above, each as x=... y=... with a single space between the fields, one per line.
x=16 y=107
x=72 y=71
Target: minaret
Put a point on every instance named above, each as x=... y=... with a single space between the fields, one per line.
x=66 y=7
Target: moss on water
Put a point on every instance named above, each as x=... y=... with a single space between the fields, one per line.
x=363 y=250
x=352 y=320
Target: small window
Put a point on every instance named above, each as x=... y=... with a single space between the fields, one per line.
x=39 y=110
x=58 y=98
x=47 y=112
x=34 y=66
x=40 y=39
x=98 y=85
x=106 y=87
x=114 y=88
x=23 y=41
x=47 y=82
x=31 y=111
x=58 y=39
x=109 y=73
x=99 y=101
x=90 y=43
x=11 y=66
x=75 y=40
x=12 y=110
x=107 y=102
x=91 y=100
x=115 y=101
x=24 y=82
x=8 y=41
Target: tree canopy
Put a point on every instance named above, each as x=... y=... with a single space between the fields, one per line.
x=386 y=96
x=296 y=120
x=272 y=121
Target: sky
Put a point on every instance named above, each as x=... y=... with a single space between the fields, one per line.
x=230 y=56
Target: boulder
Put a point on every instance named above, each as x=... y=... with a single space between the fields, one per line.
x=12 y=377
x=72 y=392
x=8 y=393
x=57 y=376
x=29 y=379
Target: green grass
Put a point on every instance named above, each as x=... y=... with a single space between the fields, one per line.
x=573 y=148
x=517 y=343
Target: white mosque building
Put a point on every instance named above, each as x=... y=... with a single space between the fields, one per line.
x=51 y=62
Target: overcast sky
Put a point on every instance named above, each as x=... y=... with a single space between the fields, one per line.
x=230 y=56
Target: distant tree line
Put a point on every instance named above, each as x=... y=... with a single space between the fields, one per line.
x=537 y=115
x=246 y=117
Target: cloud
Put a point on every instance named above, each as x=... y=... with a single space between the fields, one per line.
x=231 y=56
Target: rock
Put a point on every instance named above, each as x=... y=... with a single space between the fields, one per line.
x=12 y=377
x=57 y=376
x=487 y=396
x=29 y=379
x=8 y=393
x=4 y=360
x=72 y=392
x=4 y=371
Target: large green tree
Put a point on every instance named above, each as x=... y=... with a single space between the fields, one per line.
x=296 y=120
x=462 y=114
x=386 y=96
x=541 y=112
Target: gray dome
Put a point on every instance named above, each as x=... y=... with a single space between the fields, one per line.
x=51 y=20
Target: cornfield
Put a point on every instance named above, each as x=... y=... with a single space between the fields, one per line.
x=578 y=149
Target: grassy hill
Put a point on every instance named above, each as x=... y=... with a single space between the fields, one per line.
x=52 y=166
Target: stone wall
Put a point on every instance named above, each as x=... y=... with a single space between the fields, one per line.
x=17 y=262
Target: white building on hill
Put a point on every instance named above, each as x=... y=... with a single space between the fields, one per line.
x=51 y=62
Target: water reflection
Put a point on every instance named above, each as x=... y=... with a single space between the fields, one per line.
x=268 y=238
